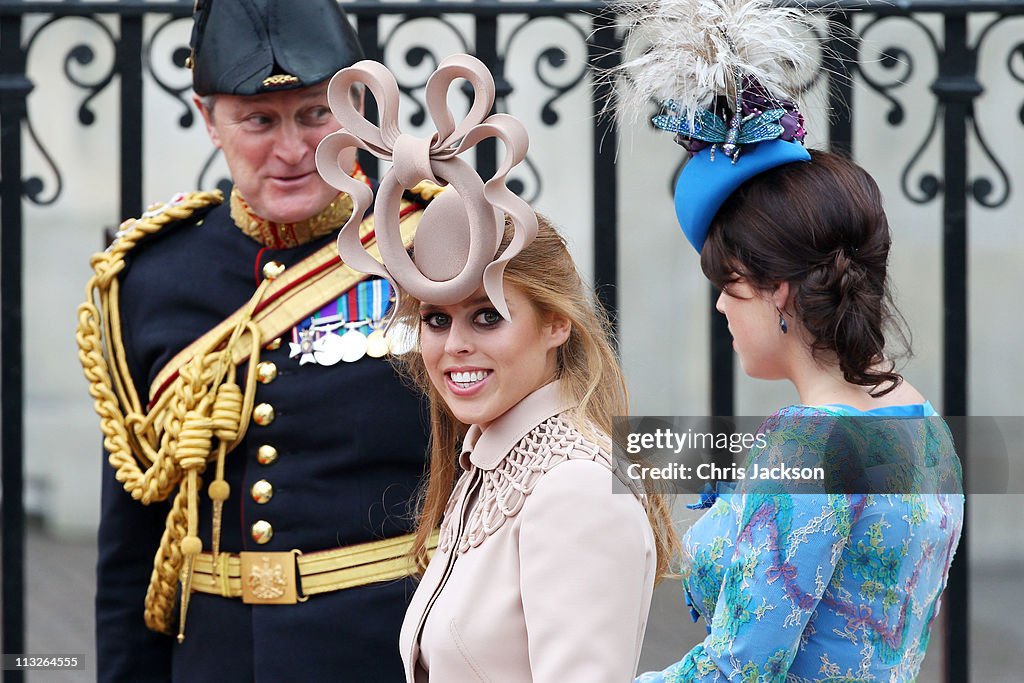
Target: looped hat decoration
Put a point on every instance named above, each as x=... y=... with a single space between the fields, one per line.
x=461 y=229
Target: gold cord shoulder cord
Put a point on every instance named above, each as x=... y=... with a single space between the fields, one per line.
x=169 y=445
x=156 y=451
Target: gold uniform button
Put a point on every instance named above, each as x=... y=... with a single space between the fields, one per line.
x=266 y=372
x=274 y=345
x=262 y=532
x=263 y=414
x=266 y=454
x=273 y=269
x=262 y=491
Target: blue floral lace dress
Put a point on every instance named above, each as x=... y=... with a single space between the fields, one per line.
x=817 y=587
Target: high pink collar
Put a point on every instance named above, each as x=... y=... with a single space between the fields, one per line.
x=485 y=447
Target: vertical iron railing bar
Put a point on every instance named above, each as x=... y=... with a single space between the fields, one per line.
x=956 y=87
x=368 y=30
x=129 y=61
x=485 y=39
x=839 y=62
x=604 y=53
x=722 y=378
x=14 y=90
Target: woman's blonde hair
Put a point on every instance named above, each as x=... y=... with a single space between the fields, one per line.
x=587 y=368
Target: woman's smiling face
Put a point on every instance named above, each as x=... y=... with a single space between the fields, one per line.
x=481 y=364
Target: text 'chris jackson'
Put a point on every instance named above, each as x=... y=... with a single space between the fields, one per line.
x=711 y=472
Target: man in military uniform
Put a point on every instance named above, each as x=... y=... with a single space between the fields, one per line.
x=264 y=452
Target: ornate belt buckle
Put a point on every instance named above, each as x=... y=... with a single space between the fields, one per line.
x=268 y=578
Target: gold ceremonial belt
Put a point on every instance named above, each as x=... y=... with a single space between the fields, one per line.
x=284 y=578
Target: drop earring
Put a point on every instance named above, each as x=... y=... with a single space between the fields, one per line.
x=782 y=323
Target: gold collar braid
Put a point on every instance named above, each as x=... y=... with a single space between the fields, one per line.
x=288 y=235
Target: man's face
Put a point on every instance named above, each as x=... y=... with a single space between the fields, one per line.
x=269 y=142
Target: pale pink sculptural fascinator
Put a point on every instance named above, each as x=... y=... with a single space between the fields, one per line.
x=461 y=229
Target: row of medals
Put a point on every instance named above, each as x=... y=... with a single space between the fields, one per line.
x=331 y=348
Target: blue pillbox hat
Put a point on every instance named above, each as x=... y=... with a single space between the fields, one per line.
x=704 y=185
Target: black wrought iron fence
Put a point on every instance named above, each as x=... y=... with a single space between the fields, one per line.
x=951 y=125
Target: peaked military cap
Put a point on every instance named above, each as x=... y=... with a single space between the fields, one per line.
x=247 y=47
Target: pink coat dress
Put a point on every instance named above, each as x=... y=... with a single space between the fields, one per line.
x=542 y=573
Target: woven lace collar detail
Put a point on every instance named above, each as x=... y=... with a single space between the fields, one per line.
x=506 y=485
x=484 y=448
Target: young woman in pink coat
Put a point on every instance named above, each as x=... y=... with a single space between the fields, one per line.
x=541 y=573
x=546 y=560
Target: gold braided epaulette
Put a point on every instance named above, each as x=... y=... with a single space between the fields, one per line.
x=156 y=217
x=100 y=348
x=131 y=436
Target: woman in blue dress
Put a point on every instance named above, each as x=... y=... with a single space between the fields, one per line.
x=840 y=580
x=837 y=586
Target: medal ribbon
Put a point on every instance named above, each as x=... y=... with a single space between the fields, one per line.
x=369 y=301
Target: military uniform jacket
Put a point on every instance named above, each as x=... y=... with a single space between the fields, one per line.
x=349 y=441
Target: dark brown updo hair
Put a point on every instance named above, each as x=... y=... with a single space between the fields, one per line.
x=819 y=226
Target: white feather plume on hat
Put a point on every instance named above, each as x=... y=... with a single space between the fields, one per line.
x=699 y=47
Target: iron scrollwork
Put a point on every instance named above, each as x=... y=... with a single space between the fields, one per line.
x=420 y=57
x=424 y=58
x=178 y=56
x=553 y=67
x=549 y=60
x=83 y=55
x=891 y=58
x=1017 y=51
x=982 y=187
x=929 y=185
